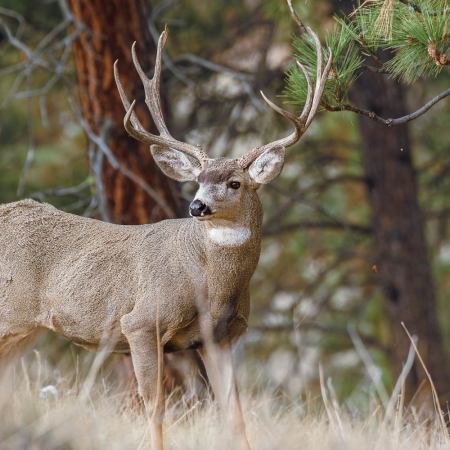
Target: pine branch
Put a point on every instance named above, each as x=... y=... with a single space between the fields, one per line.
x=390 y=121
x=398 y=41
x=323 y=225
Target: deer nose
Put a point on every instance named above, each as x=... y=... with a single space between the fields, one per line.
x=198 y=208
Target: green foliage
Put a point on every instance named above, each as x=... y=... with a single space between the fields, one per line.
x=346 y=62
x=414 y=42
x=421 y=41
x=419 y=35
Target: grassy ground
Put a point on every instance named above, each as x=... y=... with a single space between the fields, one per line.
x=93 y=414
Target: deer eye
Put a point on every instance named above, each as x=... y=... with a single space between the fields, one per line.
x=234 y=184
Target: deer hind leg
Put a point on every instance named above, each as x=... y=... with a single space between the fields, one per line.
x=147 y=357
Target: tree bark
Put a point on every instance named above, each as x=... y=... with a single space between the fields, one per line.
x=404 y=269
x=109 y=27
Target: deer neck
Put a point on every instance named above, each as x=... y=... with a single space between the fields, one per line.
x=228 y=252
x=242 y=232
x=226 y=248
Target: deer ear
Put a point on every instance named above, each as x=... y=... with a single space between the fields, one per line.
x=267 y=166
x=176 y=164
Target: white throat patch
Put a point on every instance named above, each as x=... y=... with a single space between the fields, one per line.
x=229 y=236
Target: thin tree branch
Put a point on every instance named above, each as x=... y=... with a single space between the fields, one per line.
x=305 y=224
x=330 y=222
x=76 y=191
x=213 y=67
x=329 y=182
x=100 y=142
x=303 y=326
x=31 y=149
x=391 y=122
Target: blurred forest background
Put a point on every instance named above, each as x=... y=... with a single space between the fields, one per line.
x=356 y=234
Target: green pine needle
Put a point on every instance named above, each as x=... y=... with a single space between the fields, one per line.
x=346 y=62
x=421 y=42
x=415 y=35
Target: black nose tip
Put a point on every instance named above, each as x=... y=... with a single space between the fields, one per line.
x=198 y=208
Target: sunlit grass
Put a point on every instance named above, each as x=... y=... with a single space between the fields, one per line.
x=40 y=409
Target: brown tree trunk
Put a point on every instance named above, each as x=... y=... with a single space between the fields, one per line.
x=404 y=269
x=109 y=27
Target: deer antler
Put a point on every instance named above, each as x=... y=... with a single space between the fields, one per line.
x=153 y=102
x=302 y=122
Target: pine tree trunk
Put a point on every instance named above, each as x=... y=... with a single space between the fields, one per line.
x=109 y=29
x=404 y=269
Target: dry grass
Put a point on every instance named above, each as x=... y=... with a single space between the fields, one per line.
x=86 y=415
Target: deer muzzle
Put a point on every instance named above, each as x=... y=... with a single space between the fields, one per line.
x=199 y=209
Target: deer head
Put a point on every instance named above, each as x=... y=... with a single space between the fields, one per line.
x=225 y=184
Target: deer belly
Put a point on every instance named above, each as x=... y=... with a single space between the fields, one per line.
x=119 y=346
x=88 y=331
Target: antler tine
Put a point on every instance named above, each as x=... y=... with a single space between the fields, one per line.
x=310 y=108
x=321 y=76
x=152 y=87
x=153 y=101
x=283 y=112
x=124 y=98
x=141 y=134
x=321 y=88
x=309 y=97
x=296 y=17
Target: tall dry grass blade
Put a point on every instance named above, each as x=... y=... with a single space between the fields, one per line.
x=400 y=383
x=104 y=424
x=39 y=367
x=328 y=407
x=25 y=375
x=437 y=405
x=107 y=344
x=336 y=407
x=373 y=371
x=157 y=417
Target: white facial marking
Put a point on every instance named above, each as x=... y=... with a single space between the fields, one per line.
x=204 y=195
x=229 y=236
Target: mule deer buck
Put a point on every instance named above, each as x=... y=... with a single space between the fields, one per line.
x=149 y=286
